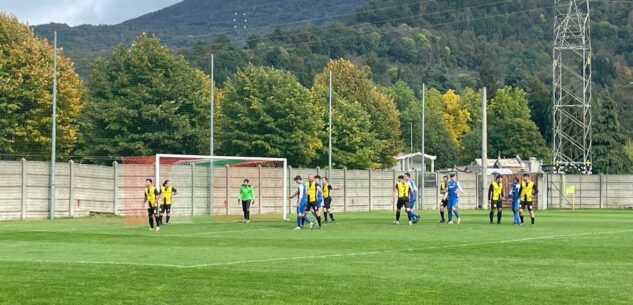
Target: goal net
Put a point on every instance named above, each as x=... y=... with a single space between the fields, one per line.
x=205 y=186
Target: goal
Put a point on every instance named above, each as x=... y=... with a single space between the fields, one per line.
x=206 y=185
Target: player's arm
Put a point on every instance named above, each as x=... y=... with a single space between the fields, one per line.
x=174 y=191
x=320 y=190
x=535 y=189
x=395 y=191
x=490 y=190
x=294 y=194
x=252 y=196
x=459 y=187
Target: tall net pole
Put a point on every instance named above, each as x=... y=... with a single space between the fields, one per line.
x=571 y=94
x=54 y=131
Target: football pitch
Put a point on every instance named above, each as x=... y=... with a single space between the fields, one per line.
x=581 y=257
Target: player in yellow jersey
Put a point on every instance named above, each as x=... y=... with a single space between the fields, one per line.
x=496 y=195
x=401 y=191
x=151 y=192
x=526 y=195
x=166 y=193
x=444 y=201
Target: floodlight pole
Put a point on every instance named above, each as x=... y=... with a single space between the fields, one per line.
x=421 y=204
x=54 y=131
x=329 y=172
x=484 y=148
x=212 y=107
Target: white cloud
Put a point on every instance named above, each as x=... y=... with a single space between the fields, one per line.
x=76 y=12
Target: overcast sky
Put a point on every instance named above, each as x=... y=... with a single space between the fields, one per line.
x=76 y=12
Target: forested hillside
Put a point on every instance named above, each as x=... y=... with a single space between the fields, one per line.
x=455 y=47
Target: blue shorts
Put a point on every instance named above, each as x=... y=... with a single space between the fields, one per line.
x=516 y=205
x=412 y=203
x=453 y=203
x=302 y=207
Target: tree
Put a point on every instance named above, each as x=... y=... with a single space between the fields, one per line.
x=511 y=130
x=26 y=82
x=438 y=138
x=455 y=116
x=267 y=112
x=471 y=101
x=540 y=102
x=410 y=109
x=353 y=84
x=146 y=100
x=609 y=142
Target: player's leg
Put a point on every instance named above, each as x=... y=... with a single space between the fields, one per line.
x=150 y=216
x=492 y=211
x=443 y=205
x=399 y=206
x=459 y=220
x=329 y=209
x=155 y=211
x=414 y=216
x=521 y=209
x=168 y=212
x=531 y=210
x=318 y=207
x=450 y=212
x=499 y=211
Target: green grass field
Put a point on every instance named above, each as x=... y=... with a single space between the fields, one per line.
x=581 y=257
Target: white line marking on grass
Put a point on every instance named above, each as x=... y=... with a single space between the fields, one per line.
x=308 y=256
x=218 y=232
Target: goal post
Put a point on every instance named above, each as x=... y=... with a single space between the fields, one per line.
x=216 y=180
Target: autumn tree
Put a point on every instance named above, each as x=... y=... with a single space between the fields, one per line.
x=26 y=82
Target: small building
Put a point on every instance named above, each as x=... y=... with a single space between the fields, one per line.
x=411 y=162
x=508 y=166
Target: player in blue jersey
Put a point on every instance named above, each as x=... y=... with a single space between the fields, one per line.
x=320 y=198
x=413 y=198
x=302 y=203
x=453 y=188
x=515 y=191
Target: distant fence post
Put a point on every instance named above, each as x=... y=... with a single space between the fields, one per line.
x=115 y=167
x=24 y=191
x=71 y=188
x=259 y=188
x=393 y=201
x=561 y=191
x=227 y=167
x=420 y=188
x=370 y=193
x=437 y=190
x=345 y=189
x=603 y=190
x=318 y=171
x=193 y=189
x=541 y=194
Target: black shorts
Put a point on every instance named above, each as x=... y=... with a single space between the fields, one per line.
x=527 y=204
x=165 y=208
x=403 y=202
x=327 y=202
x=444 y=202
x=152 y=210
x=312 y=205
x=496 y=204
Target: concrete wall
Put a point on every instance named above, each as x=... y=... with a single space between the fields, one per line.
x=118 y=189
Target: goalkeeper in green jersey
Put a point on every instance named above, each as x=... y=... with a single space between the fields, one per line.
x=246 y=197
